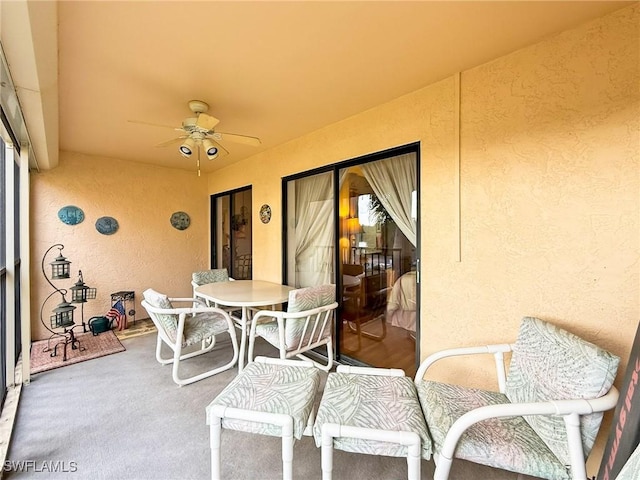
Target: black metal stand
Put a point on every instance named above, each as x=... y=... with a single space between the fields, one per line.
x=68 y=338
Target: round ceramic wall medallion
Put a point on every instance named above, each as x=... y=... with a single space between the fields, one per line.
x=107 y=225
x=71 y=215
x=265 y=213
x=180 y=220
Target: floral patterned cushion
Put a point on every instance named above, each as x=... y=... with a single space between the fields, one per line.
x=263 y=387
x=167 y=322
x=513 y=444
x=210 y=276
x=551 y=363
x=202 y=326
x=372 y=401
x=301 y=300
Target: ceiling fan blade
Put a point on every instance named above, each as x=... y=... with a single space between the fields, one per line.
x=153 y=124
x=172 y=141
x=221 y=149
x=232 y=137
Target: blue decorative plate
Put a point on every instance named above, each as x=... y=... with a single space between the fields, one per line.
x=180 y=220
x=107 y=225
x=71 y=215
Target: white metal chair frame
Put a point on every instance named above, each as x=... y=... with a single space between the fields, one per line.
x=198 y=306
x=316 y=321
x=570 y=410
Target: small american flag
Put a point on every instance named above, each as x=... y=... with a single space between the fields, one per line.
x=117 y=313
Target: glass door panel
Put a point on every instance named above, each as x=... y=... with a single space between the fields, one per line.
x=378 y=325
x=232 y=233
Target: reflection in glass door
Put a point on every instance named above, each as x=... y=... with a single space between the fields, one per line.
x=360 y=221
x=231 y=216
x=379 y=263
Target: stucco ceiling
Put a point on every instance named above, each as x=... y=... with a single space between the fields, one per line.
x=274 y=70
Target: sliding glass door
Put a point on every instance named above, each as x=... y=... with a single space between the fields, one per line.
x=231 y=239
x=355 y=224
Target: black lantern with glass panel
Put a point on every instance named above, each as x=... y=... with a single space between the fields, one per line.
x=61 y=323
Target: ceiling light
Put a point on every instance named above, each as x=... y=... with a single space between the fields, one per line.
x=187 y=147
x=210 y=149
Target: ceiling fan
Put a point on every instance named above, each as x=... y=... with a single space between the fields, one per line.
x=199 y=133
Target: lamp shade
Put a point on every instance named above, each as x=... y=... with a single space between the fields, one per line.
x=186 y=149
x=210 y=149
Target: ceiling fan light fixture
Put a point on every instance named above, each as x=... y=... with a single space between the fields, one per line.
x=186 y=149
x=210 y=149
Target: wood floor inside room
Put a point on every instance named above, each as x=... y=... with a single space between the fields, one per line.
x=395 y=350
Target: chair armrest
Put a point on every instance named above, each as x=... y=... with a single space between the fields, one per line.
x=497 y=350
x=201 y=308
x=285 y=362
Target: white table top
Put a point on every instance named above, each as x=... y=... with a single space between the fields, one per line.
x=245 y=293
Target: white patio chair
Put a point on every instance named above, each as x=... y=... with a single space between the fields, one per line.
x=545 y=417
x=208 y=276
x=183 y=327
x=307 y=324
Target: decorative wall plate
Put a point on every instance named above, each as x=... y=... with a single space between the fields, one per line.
x=71 y=215
x=107 y=225
x=180 y=220
x=265 y=213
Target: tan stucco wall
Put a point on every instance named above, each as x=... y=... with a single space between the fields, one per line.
x=549 y=187
x=146 y=251
x=549 y=192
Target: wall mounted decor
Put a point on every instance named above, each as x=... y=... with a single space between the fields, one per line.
x=265 y=213
x=71 y=215
x=180 y=220
x=107 y=225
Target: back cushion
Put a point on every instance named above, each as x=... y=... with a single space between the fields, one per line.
x=168 y=322
x=306 y=299
x=551 y=363
x=311 y=297
x=210 y=276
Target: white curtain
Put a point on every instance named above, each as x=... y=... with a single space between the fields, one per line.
x=314 y=236
x=393 y=180
x=314 y=230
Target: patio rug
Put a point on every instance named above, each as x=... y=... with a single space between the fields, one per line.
x=90 y=347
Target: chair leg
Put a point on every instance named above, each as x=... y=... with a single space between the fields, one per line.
x=443 y=467
x=326 y=455
x=215 y=442
x=287 y=451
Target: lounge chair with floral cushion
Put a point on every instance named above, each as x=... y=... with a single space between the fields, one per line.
x=545 y=416
x=185 y=327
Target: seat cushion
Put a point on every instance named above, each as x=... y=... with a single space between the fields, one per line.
x=549 y=363
x=202 y=326
x=168 y=322
x=210 y=276
x=372 y=401
x=506 y=443
x=263 y=387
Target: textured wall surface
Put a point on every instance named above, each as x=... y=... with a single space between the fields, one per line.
x=146 y=251
x=549 y=186
x=549 y=192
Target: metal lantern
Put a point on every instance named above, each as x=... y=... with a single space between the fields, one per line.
x=62 y=314
x=60 y=267
x=80 y=293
